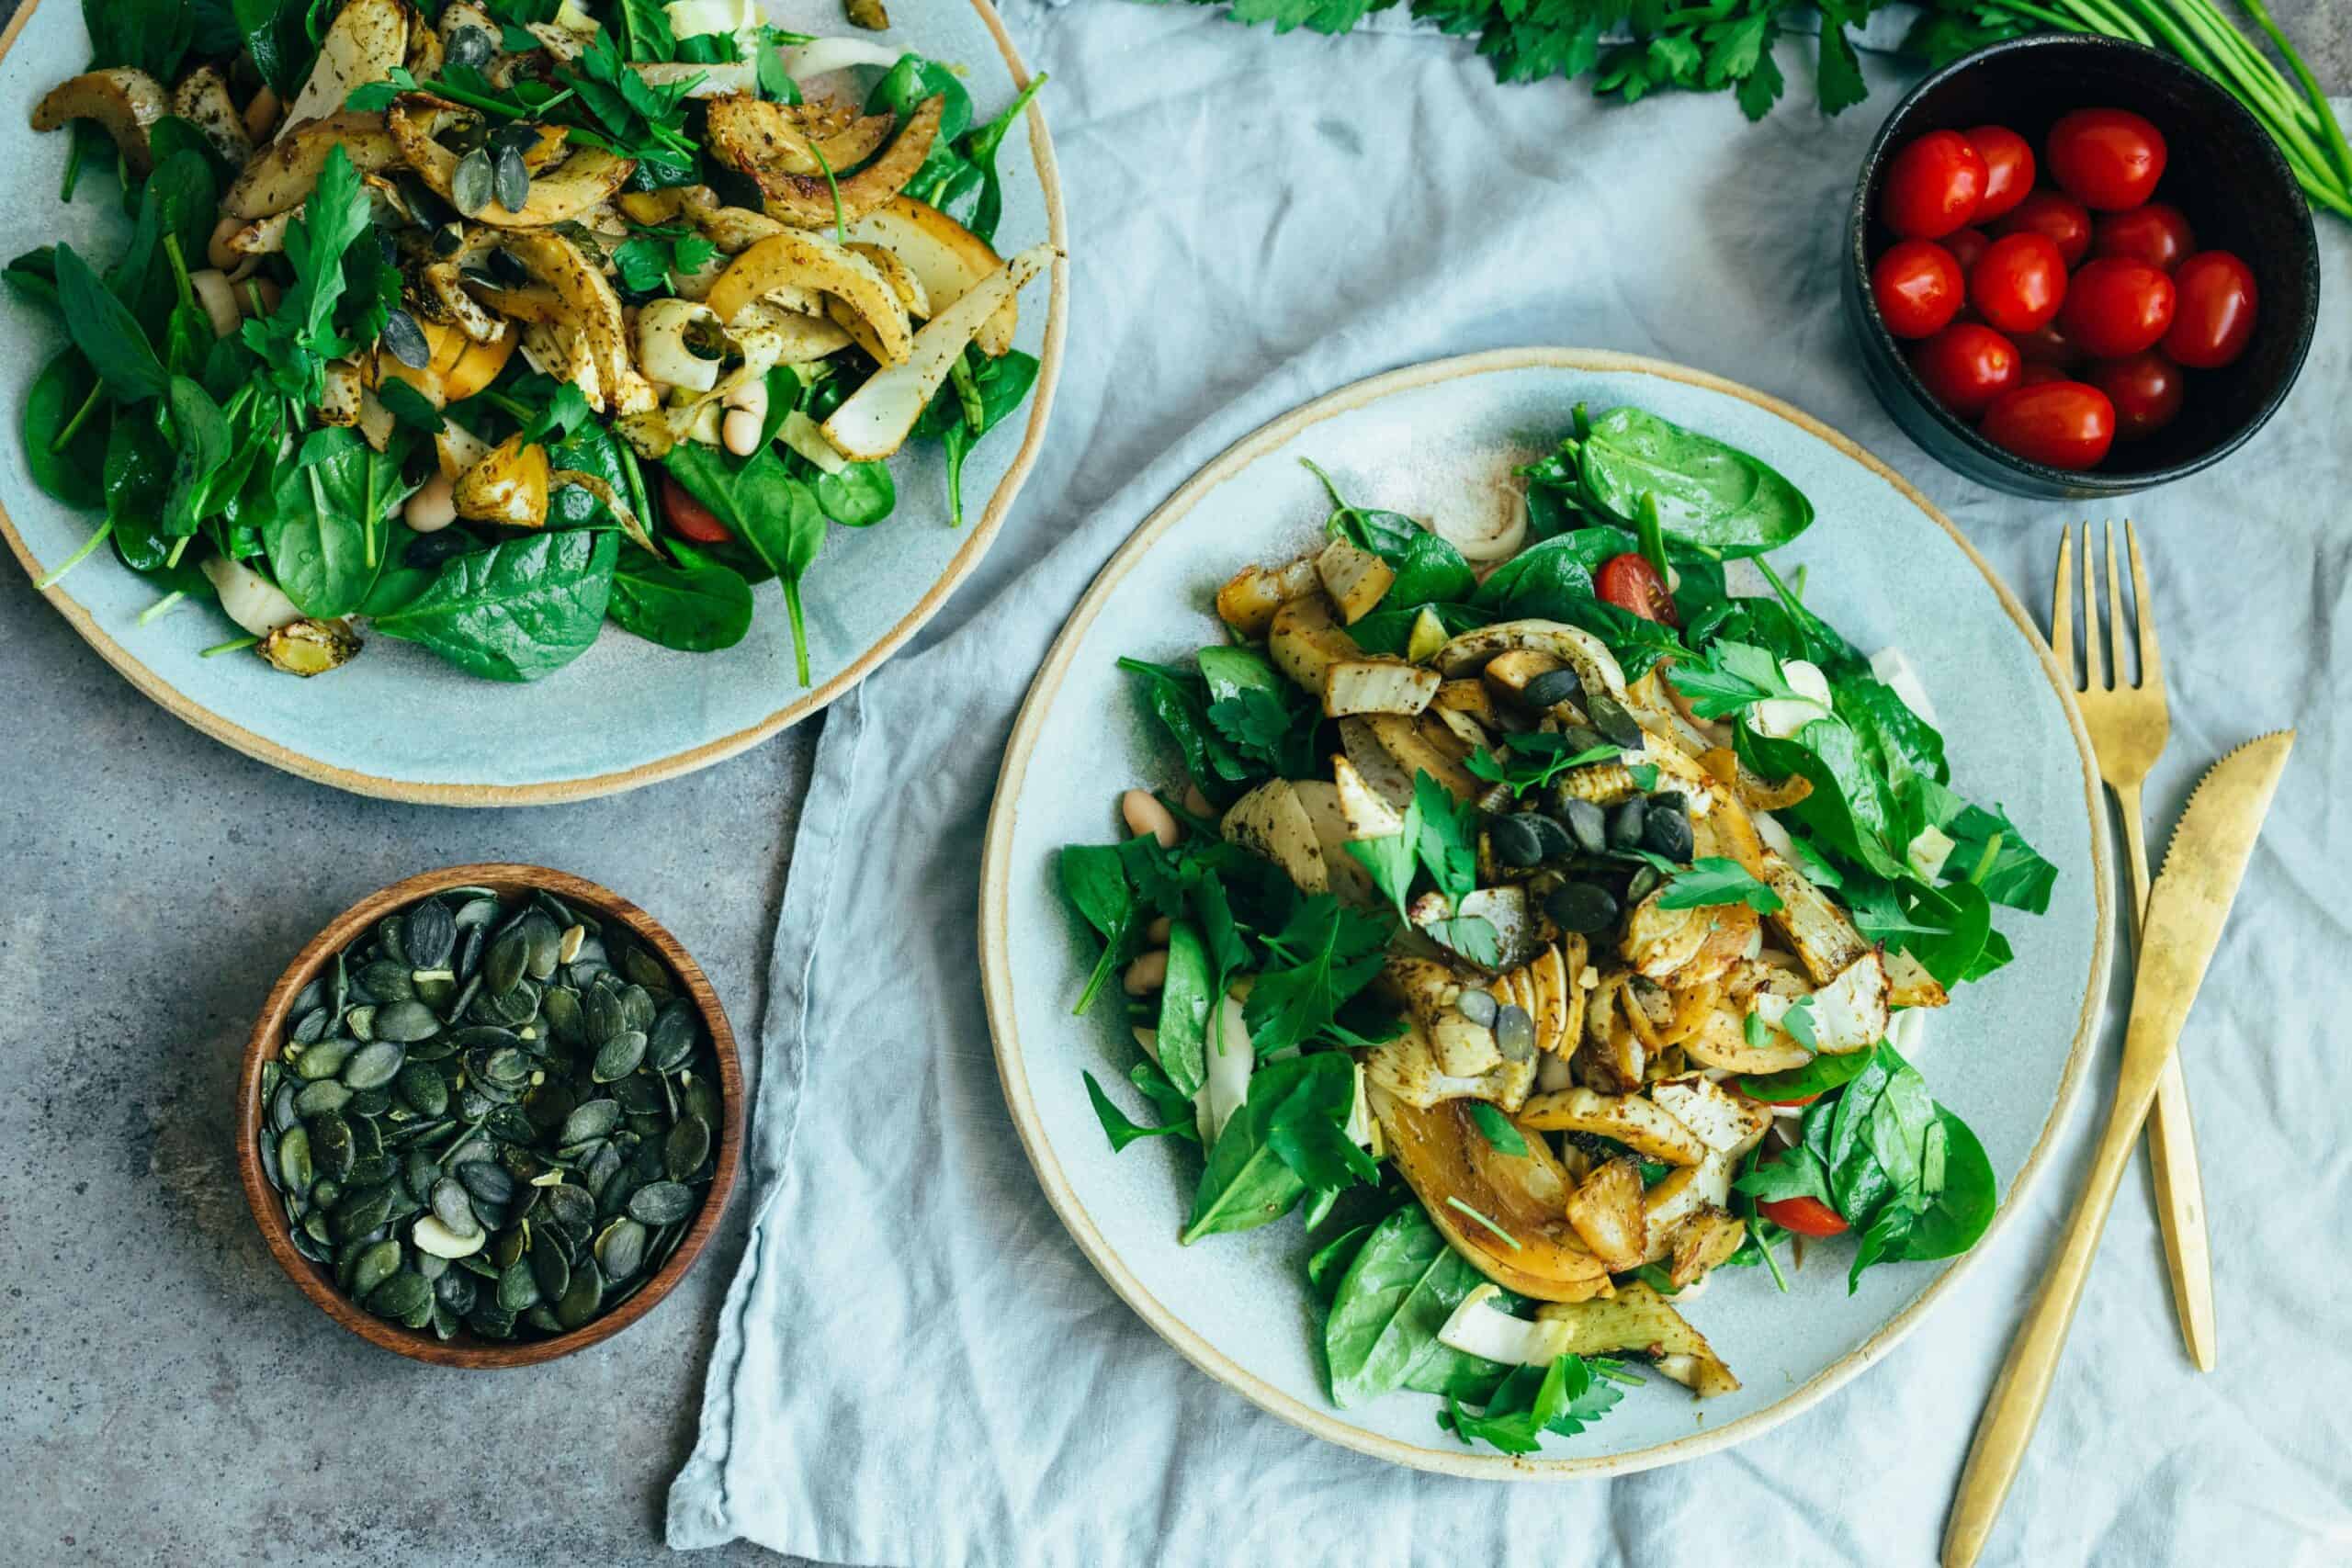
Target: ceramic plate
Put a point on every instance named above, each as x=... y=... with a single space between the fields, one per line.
x=397 y=722
x=1883 y=567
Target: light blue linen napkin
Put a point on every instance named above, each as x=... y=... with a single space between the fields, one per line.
x=915 y=1365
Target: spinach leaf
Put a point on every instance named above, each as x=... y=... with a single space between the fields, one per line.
x=1185 y=1000
x=1817 y=1076
x=1708 y=494
x=1325 y=954
x=1328 y=1264
x=979 y=150
x=1851 y=807
x=295 y=340
x=200 y=447
x=1094 y=881
x=945 y=172
x=996 y=387
x=645 y=30
x=1122 y=1130
x=32 y=277
x=1381 y=1335
x=1289 y=1137
x=697 y=605
x=1427 y=567
x=145 y=35
x=859 y=496
x=321 y=533
x=1897 y=740
x=1988 y=851
x=1962 y=1207
x=517 y=611
x=110 y=337
x=138 y=471
x=66 y=441
x=1542 y=579
x=1391 y=631
x=762 y=506
x=274 y=34
x=1180 y=699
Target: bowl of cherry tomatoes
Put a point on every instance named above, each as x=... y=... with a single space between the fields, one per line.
x=2079 y=268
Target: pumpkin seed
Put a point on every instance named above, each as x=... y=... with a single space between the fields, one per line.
x=491 y=1117
x=1616 y=726
x=1476 y=1006
x=1666 y=828
x=472 y=185
x=1582 y=907
x=1552 y=688
x=373 y=1066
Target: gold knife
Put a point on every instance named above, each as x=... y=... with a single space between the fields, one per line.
x=2186 y=911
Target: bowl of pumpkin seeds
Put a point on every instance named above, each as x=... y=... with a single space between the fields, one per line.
x=490 y=1116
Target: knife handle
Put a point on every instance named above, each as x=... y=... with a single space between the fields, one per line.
x=2006 y=1427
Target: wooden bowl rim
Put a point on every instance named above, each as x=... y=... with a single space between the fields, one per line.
x=315 y=1282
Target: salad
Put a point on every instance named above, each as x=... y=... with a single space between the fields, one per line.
x=1551 y=922
x=487 y=325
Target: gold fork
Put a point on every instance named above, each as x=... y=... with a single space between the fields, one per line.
x=2129 y=724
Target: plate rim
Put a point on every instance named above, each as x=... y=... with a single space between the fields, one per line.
x=158 y=688
x=996 y=975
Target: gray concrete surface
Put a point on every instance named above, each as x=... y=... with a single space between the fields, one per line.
x=166 y=1397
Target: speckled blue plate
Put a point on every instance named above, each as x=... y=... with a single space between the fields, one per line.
x=399 y=723
x=1883 y=567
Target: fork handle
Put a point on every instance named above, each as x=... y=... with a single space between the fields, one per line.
x=2171 y=1145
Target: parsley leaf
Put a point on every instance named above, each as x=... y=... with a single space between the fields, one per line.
x=1327 y=953
x=1392 y=860
x=1449 y=837
x=1534 y=759
x=1497 y=1128
x=295 y=340
x=1716 y=879
x=1729 y=678
x=1564 y=1397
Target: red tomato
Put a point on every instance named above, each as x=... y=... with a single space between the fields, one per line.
x=1966 y=367
x=1631 y=584
x=2047 y=345
x=2018 y=282
x=2146 y=390
x=1806 y=1216
x=2116 y=307
x=2008 y=168
x=1918 y=286
x=2061 y=218
x=689 y=518
x=2064 y=424
x=2214 y=316
x=2110 y=159
x=2034 y=372
x=1932 y=187
x=2156 y=234
x=1966 y=246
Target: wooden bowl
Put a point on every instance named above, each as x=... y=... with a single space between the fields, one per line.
x=317 y=1281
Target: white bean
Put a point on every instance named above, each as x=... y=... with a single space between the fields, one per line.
x=214 y=292
x=261 y=115
x=1143 y=814
x=257 y=296
x=1147 y=973
x=752 y=397
x=216 y=248
x=1158 y=931
x=740 y=432
x=1196 y=802
x=434 y=506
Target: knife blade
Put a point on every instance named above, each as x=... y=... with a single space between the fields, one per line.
x=2188 y=906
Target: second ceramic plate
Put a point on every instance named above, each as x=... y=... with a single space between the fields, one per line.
x=1883 y=565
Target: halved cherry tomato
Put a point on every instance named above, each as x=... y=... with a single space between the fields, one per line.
x=2061 y=217
x=2213 y=317
x=2156 y=233
x=1918 y=288
x=2047 y=345
x=1806 y=1216
x=2116 y=307
x=2018 y=283
x=2145 y=387
x=689 y=518
x=1966 y=365
x=1932 y=187
x=2064 y=424
x=1633 y=584
x=1966 y=246
x=2110 y=159
x=2008 y=168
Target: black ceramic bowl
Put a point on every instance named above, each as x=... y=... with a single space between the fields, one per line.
x=2225 y=173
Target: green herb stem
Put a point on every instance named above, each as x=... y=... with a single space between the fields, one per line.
x=799 y=629
x=179 y=548
x=233 y=644
x=74 y=425
x=77 y=558
x=840 y=224
x=162 y=607
x=73 y=167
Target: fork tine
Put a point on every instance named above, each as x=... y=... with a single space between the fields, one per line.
x=2114 y=609
x=2152 y=661
x=2093 y=673
x=2061 y=606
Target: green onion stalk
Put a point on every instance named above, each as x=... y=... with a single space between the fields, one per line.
x=2295 y=112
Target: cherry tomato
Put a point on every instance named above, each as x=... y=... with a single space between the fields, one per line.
x=2008 y=168
x=2145 y=387
x=1966 y=365
x=1631 y=584
x=1918 y=286
x=2110 y=159
x=2156 y=233
x=2213 y=318
x=1806 y=1216
x=2034 y=372
x=2064 y=424
x=1966 y=246
x=689 y=518
x=2116 y=307
x=2047 y=345
x=1932 y=187
x=2061 y=218
x=2018 y=282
